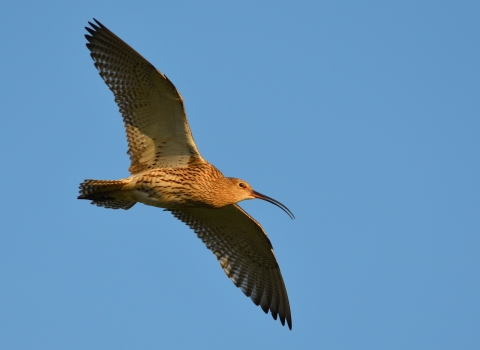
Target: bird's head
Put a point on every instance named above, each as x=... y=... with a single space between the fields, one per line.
x=240 y=190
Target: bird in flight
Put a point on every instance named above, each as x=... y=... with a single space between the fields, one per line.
x=167 y=171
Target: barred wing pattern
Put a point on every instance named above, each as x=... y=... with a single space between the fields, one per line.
x=156 y=124
x=245 y=254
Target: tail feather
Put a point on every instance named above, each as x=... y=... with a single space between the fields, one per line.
x=101 y=193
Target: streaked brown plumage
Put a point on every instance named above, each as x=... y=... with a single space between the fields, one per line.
x=169 y=172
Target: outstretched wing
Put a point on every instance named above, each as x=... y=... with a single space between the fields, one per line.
x=245 y=254
x=157 y=129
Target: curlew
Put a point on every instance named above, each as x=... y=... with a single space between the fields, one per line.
x=167 y=171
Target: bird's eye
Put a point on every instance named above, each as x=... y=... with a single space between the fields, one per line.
x=241 y=184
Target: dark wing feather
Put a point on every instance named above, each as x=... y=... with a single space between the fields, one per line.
x=245 y=254
x=156 y=124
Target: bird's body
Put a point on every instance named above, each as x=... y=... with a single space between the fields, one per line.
x=167 y=171
x=200 y=185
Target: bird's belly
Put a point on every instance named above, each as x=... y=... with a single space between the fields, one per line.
x=165 y=199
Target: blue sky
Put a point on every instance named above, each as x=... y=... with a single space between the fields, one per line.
x=363 y=118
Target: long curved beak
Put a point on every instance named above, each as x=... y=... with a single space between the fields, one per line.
x=273 y=201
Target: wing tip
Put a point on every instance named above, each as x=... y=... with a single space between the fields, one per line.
x=98 y=23
x=284 y=317
x=289 y=321
x=95 y=27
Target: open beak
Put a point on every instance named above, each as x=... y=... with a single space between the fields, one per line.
x=273 y=201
